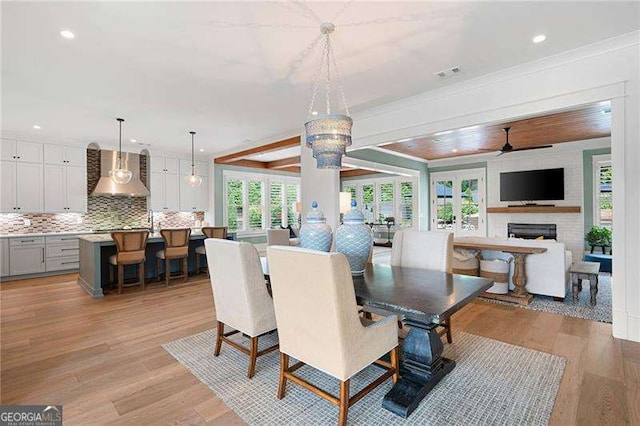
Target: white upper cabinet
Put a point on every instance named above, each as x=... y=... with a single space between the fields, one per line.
x=65 y=189
x=165 y=192
x=24 y=152
x=201 y=167
x=165 y=165
x=8 y=191
x=29 y=188
x=157 y=191
x=76 y=181
x=67 y=155
x=193 y=199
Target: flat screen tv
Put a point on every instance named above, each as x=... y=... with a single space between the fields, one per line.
x=532 y=185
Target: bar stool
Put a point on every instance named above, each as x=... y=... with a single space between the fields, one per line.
x=209 y=232
x=176 y=246
x=130 y=247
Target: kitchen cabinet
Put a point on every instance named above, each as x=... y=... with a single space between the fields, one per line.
x=202 y=167
x=165 y=192
x=23 y=152
x=165 y=165
x=62 y=253
x=4 y=257
x=22 y=187
x=65 y=155
x=193 y=199
x=26 y=255
x=65 y=189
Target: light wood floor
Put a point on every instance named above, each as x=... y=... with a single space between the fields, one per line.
x=102 y=359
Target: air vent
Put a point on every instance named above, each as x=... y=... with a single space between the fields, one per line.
x=448 y=72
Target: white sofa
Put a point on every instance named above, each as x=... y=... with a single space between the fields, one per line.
x=547 y=273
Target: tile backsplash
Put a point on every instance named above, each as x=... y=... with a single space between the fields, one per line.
x=102 y=212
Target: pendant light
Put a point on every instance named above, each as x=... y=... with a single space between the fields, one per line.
x=119 y=175
x=193 y=179
x=328 y=135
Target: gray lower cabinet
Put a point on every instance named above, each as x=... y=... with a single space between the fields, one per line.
x=63 y=253
x=4 y=257
x=26 y=256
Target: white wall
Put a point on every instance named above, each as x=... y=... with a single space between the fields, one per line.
x=570 y=226
x=609 y=70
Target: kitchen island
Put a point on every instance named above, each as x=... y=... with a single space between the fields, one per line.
x=95 y=250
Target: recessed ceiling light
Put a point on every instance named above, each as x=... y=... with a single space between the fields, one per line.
x=201 y=150
x=446 y=132
x=454 y=150
x=134 y=140
x=539 y=38
x=314 y=113
x=67 y=34
x=35 y=126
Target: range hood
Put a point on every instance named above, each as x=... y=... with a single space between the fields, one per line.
x=106 y=186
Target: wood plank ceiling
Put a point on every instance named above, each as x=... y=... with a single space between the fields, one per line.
x=592 y=121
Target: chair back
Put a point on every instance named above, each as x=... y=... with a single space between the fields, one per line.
x=423 y=249
x=176 y=242
x=277 y=237
x=239 y=290
x=215 y=232
x=315 y=305
x=130 y=246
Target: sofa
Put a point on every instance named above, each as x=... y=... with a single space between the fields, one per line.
x=547 y=273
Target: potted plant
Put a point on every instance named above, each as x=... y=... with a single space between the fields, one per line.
x=598 y=236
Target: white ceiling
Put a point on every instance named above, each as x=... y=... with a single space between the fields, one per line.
x=169 y=68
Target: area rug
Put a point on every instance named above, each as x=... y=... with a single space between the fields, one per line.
x=493 y=383
x=580 y=308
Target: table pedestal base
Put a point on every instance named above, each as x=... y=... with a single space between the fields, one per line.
x=509 y=297
x=421 y=368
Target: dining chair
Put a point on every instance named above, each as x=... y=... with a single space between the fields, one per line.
x=176 y=246
x=240 y=296
x=209 y=232
x=277 y=237
x=318 y=324
x=130 y=250
x=425 y=250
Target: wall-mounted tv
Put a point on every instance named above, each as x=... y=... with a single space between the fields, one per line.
x=532 y=185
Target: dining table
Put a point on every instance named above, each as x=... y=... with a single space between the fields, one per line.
x=421 y=299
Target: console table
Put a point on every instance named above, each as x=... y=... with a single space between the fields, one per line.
x=519 y=294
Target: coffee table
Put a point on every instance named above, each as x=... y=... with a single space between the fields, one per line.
x=588 y=271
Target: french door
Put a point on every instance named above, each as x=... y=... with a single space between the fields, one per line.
x=458 y=202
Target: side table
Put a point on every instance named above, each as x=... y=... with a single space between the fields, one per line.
x=587 y=271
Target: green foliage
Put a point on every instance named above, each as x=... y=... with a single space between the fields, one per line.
x=598 y=236
x=445 y=213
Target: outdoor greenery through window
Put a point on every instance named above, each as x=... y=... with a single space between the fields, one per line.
x=382 y=198
x=254 y=202
x=603 y=194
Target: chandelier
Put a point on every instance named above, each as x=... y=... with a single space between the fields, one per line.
x=328 y=135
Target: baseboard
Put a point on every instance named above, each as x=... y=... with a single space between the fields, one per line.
x=9 y=278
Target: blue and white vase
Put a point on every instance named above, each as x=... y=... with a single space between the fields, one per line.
x=354 y=239
x=315 y=234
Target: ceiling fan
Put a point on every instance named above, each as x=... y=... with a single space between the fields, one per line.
x=507 y=147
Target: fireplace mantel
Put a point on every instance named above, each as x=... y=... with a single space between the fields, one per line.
x=535 y=209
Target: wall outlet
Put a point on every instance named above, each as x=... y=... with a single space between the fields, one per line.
x=27 y=222
x=79 y=220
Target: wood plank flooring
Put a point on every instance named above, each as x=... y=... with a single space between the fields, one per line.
x=103 y=361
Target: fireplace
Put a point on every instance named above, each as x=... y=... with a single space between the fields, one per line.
x=531 y=231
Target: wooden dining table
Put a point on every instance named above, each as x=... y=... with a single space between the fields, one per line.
x=422 y=299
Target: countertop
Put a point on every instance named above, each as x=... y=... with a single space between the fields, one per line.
x=45 y=234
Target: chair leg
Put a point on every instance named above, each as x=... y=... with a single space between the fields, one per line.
x=111 y=270
x=344 y=403
x=185 y=268
x=216 y=352
x=253 y=355
x=395 y=357
x=120 y=277
x=167 y=271
x=282 y=383
x=158 y=268
x=447 y=323
x=367 y=315
x=141 y=274
x=197 y=263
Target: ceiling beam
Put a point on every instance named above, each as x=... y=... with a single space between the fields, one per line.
x=293 y=169
x=275 y=146
x=285 y=162
x=356 y=172
x=247 y=163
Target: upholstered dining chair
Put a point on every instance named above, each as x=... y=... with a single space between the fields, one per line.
x=277 y=237
x=130 y=246
x=176 y=246
x=209 y=232
x=425 y=250
x=318 y=323
x=240 y=295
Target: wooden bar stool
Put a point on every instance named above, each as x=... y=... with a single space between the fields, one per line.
x=130 y=247
x=176 y=246
x=209 y=232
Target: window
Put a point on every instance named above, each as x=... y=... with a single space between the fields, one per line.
x=254 y=201
x=385 y=197
x=602 y=192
